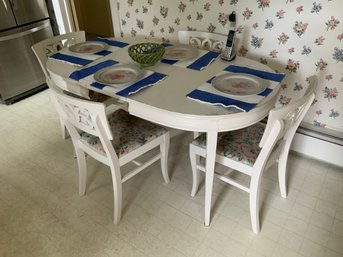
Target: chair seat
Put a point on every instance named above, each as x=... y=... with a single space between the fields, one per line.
x=240 y=145
x=129 y=133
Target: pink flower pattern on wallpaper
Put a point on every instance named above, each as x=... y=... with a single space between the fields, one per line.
x=320 y=40
x=291 y=50
x=263 y=3
x=284 y=100
x=321 y=65
x=280 y=14
x=292 y=66
x=273 y=54
x=247 y=14
x=283 y=38
x=330 y=93
x=299 y=9
x=332 y=23
x=300 y=28
x=297 y=37
x=223 y=18
x=240 y=29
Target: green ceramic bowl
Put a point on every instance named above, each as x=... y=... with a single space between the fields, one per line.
x=146 y=54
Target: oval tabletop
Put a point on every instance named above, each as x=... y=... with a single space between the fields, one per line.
x=166 y=102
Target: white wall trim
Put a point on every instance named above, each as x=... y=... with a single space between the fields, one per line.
x=115 y=18
x=318 y=149
x=59 y=16
x=74 y=15
x=65 y=20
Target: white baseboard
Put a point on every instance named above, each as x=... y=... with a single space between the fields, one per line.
x=318 y=149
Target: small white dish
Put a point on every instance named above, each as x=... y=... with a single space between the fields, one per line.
x=180 y=52
x=238 y=84
x=118 y=75
x=89 y=47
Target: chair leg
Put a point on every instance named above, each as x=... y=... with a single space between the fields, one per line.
x=81 y=162
x=282 y=172
x=117 y=192
x=164 y=148
x=254 y=196
x=195 y=172
x=254 y=216
x=211 y=147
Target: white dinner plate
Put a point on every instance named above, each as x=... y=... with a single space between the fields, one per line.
x=238 y=84
x=177 y=53
x=89 y=47
x=118 y=74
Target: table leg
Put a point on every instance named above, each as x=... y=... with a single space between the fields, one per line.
x=209 y=174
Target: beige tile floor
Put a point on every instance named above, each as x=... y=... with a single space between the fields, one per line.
x=41 y=213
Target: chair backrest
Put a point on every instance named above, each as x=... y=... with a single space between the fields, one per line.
x=49 y=46
x=205 y=40
x=82 y=115
x=288 y=117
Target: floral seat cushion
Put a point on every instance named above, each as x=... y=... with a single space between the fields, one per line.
x=240 y=145
x=129 y=133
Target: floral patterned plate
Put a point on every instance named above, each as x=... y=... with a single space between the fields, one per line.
x=118 y=74
x=181 y=52
x=90 y=47
x=238 y=84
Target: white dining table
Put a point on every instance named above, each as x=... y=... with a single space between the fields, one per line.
x=166 y=103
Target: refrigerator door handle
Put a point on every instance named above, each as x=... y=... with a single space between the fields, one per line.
x=24 y=33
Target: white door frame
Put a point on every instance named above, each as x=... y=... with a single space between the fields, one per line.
x=66 y=20
x=74 y=15
x=115 y=18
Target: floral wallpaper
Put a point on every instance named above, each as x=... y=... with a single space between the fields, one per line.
x=297 y=37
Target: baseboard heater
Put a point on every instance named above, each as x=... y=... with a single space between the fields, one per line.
x=319 y=143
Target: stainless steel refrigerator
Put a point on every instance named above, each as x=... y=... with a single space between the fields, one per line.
x=22 y=24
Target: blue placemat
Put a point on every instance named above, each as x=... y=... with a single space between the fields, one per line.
x=206 y=93
x=85 y=72
x=71 y=59
x=203 y=59
x=111 y=42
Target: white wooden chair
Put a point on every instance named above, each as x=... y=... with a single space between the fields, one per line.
x=113 y=140
x=54 y=44
x=49 y=46
x=254 y=149
x=205 y=40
